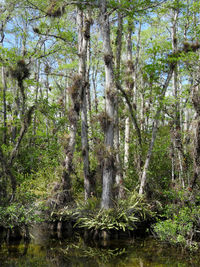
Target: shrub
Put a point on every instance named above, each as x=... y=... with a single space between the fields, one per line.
x=182 y=229
x=19 y=215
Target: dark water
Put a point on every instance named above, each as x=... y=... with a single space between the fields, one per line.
x=43 y=251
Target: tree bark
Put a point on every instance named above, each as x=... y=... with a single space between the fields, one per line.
x=119 y=174
x=126 y=144
x=110 y=93
x=196 y=153
x=177 y=142
x=75 y=94
x=129 y=89
x=138 y=154
x=4 y=84
x=83 y=42
x=4 y=106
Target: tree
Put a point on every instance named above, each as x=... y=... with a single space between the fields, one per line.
x=110 y=93
x=83 y=41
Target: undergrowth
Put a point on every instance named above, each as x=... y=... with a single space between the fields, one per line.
x=181 y=222
x=125 y=215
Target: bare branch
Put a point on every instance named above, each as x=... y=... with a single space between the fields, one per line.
x=52 y=35
x=58 y=74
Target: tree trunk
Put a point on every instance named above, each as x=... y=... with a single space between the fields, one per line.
x=154 y=131
x=118 y=178
x=129 y=86
x=126 y=144
x=75 y=94
x=7 y=163
x=135 y=75
x=4 y=106
x=138 y=154
x=4 y=84
x=177 y=142
x=83 y=41
x=110 y=93
x=196 y=153
x=131 y=94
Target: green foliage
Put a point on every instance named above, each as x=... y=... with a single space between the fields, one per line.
x=124 y=216
x=37 y=185
x=180 y=223
x=65 y=214
x=160 y=168
x=18 y=215
x=181 y=228
x=110 y=219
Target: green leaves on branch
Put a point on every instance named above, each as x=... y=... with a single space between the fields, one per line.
x=18 y=215
x=182 y=228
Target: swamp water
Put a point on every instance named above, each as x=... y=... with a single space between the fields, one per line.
x=44 y=250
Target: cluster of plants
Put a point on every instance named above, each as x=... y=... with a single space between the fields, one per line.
x=180 y=221
x=18 y=215
x=126 y=214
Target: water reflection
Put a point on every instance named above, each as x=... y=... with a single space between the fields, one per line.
x=71 y=252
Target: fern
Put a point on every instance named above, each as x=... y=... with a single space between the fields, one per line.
x=124 y=216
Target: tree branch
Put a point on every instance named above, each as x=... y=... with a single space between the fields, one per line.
x=25 y=125
x=132 y=112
